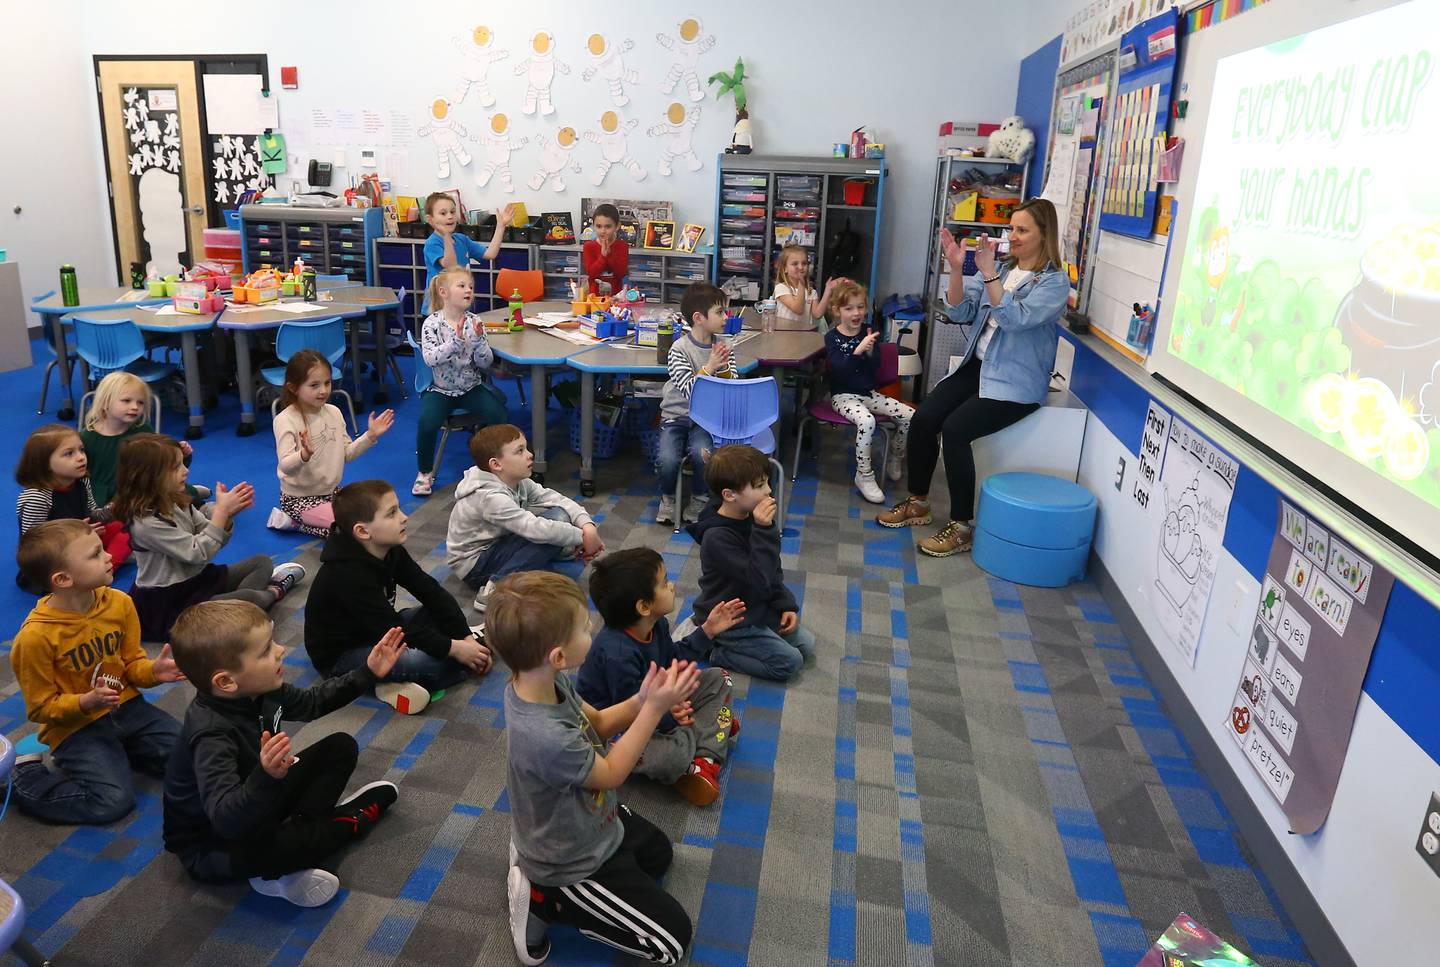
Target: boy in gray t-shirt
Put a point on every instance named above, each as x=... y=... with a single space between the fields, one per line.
x=577 y=855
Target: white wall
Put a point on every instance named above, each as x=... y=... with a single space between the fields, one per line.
x=859 y=63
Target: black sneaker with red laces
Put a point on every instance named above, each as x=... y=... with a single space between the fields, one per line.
x=364 y=807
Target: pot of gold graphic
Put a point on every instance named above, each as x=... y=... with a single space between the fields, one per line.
x=1389 y=319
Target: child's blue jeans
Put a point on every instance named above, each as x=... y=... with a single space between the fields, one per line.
x=676 y=437
x=762 y=653
x=512 y=553
x=94 y=784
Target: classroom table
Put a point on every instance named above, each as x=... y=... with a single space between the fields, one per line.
x=616 y=359
x=786 y=349
x=539 y=350
x=376 y=300
x=51 y=308
x=146 y=320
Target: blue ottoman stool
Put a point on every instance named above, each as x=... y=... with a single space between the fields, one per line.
x=1033 y=529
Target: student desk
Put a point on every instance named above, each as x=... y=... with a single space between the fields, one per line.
x=376 y=301
x=187 y=326
x=540 y=351
x=618 y=359
x=50 y=309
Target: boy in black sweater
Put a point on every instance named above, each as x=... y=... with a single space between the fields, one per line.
x=740 y=558
x=238 y=802
x=635 y=596
x=352 y=601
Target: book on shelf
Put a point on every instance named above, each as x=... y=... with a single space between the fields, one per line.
x=559 y=228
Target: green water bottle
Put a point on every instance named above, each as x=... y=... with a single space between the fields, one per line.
x=308 y=287
x=69 y=286
x=517 y=311
x=664 y=338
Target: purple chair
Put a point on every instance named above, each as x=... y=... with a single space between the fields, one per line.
x=820 y=411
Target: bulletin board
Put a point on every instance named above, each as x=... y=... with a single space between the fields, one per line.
x=1137 y=134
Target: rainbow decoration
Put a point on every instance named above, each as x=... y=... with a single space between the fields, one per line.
x=1218 y=11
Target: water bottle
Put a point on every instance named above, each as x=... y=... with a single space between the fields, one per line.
x=307 y=285
x=137 y=275
x=69 y=286
x=664 y=338
x=766 y=308
x=517 y=311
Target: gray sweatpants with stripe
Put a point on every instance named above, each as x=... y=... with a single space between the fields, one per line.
x=668 y=755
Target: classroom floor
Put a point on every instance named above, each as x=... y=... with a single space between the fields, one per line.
x=971 y=773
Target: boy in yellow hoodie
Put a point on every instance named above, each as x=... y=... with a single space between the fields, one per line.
x=79 y=663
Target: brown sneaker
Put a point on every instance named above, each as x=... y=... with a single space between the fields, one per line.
x=910 y=512
x=953 y=538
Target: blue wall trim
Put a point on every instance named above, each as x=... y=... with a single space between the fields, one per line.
x=1034 y=96
x=1404 y=673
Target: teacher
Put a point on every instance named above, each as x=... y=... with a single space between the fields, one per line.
x=1004 y=374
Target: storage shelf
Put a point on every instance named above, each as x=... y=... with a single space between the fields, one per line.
x=951 y=222
x=982 y=160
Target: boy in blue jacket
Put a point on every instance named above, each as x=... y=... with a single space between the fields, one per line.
x=635 y=597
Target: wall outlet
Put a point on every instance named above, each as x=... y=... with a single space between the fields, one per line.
x=1428 y=845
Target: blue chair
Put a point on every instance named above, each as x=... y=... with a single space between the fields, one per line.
x=738 y=411
x=48 y=334
x=325 y=336
x=12 y=907
x=115 y=344
x=460 y=419
x=367 y=346
x=333 y=280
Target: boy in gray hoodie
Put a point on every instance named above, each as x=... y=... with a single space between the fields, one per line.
x=504 y=522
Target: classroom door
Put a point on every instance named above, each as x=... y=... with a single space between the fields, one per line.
x=151 y=127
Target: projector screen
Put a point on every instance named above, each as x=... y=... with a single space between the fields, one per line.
x=1302 y=301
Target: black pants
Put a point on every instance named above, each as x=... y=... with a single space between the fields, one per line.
x=955 y=412
x=621 y=904
x=304 y=833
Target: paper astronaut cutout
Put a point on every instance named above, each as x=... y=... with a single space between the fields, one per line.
x=678 y=130
x=608 y=60
x=479 y=52
x=539 y=70
x=446 y=133
x=555 y=157
x=687 y=46
x=614 y=147
x=497 y=147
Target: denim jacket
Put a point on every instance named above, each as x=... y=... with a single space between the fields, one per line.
x=1021 y=355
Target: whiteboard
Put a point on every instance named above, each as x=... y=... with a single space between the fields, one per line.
x=1278 y=375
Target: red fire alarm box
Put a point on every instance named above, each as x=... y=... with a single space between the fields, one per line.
x=290 y=78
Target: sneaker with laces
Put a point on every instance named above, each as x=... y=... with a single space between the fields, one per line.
x=482 y=598
x=407 y=698
x=953 y=538
x=701 y=785
x=280 y=521
x=424 y=484
x=523 y=923
x=695 y=506
x=306 y=888
x=910 y=512
x=286 y=576
x=869 y=489
x=666 y=513
x=894 y=468
x=366 y=805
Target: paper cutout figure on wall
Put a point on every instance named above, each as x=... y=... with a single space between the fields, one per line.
x=555 y=157
x=687 y=45
x=162 y=219
x=540 y=68
x=446 y=132
x=614 y=144
x=678 y=130
x=497 y=147
x=609 y=61
x=479 y=53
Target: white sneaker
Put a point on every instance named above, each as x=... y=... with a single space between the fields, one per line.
x=695 y=505
x=482 y=597
x=865 y=483
x=424 y=485
x=407 y=698
x=895 y=468
x=280 y=521
x=666 y=513
x=286 y=576
x=307 y=888
x=517 y=896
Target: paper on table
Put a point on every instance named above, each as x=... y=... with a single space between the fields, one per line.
x=168 y=309
x=134 y=295
x=546 y=320
x=294 y=307
x=575 y=336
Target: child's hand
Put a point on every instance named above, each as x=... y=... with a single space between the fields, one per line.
x=379 y=424
x=187 y=449
x=96 y=525
x=719 y=357
x=164 y=667
x=232 y=502
x=505 y=217
x=307 y=449
x=683 y=714
x=470 y=653
x=591 y=545
x=867 y=344
x=723 y=617
x=789 y=621
x=386 y=653
x=764 y=512
x=275 y=757
x=673 y=685
x=99 y=697
x=477 y=326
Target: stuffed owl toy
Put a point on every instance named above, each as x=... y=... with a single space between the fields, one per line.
x=1012 y=141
